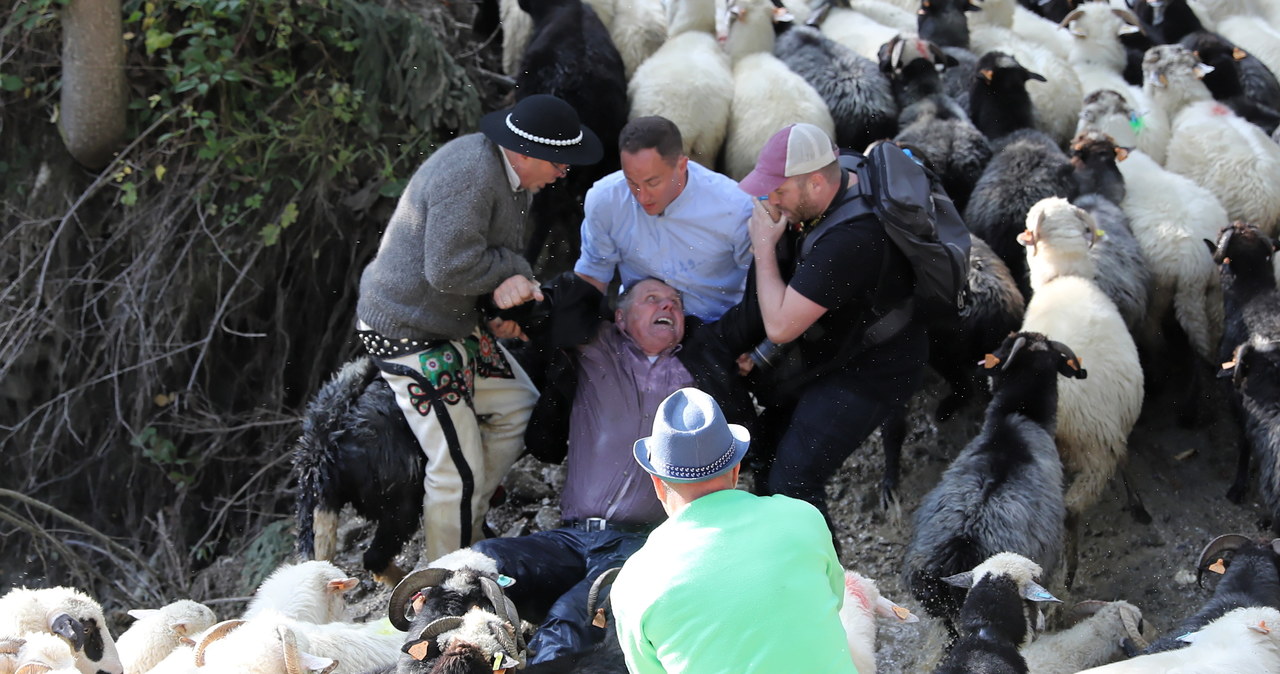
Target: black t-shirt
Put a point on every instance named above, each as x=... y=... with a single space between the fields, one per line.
x=850 y=266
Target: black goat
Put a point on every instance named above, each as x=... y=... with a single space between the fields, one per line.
x=570 y=55
x=1251 y=577
x=357 y=448
x=1251 y=305
x=1003 y=493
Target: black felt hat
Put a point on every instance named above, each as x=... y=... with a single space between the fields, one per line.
x=543 y=127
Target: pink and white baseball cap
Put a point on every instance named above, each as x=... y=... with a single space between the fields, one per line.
x=795 y=150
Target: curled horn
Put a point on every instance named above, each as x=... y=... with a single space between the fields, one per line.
x=1071 y=18
x=34 y=668
x=1084 y=609
x=895 y=54
x=1131 y=618
x=600 y=583
x=405 y=590
x=1215 y=548
x=439 y=626
x=215 y=633
x=1018 y=344
x=1065 y=350
x=289 y=647
x=502 y=606
x=11 y=645
x=508 y=636
x=1126 y=16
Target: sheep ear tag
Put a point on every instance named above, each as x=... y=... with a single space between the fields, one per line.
x=1218 y=567
x=1188 y=638
x=990 y=361
x=1238 y=54
x=419 y=649
x=1261 y=627
x=505 y=582
x=600 y=620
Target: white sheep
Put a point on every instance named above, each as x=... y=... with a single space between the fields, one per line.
x=43 y=653
x=1255 y=36
x=156 y=632
x=266 y=645
x=312 y=591
x=9 y=647
x=863 y=603
x=857 y=31
x=767 y=95
x=356 y=647
x=1098 y=58
x=1057 y=99
x=1095 y=415
x=1093 y=641
x=67 y=612
x=1244 y=640
x=689 y=81
x=1209 y=144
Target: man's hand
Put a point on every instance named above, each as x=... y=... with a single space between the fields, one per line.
x=504 y=329
x=765 y=226
x=516 y=291
x=745 y=364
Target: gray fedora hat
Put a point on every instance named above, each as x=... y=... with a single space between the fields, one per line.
x=691 y=440
x=543 y=127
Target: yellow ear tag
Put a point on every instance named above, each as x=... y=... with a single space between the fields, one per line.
x=497 y=662
x=1218 y=567
x=902 y=613
x=1098 y=233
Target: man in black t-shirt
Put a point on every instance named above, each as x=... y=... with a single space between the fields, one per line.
x=823 y=293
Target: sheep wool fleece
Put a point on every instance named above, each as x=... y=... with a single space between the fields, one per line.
x=454 y=237
x=734 y=582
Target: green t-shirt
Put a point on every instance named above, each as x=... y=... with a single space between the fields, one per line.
x=734 y=583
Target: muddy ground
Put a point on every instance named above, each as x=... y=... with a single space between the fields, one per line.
x=1181 y=475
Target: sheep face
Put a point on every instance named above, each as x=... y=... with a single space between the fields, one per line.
x=1022 y=351
x=900 y=53
x=1172 y=76
x=1242 y=245
x=1001 y=72
x=1058 y=237
x=1023 y=577
x=1097 y=28
x=1095 y=148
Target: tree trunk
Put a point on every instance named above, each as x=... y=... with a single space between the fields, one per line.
x=93 y=85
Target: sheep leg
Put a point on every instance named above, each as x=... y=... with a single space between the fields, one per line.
x=1072 y=547
x=1240 y=486
x=893 y=431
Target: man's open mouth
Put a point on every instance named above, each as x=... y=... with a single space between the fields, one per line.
x=663 y=321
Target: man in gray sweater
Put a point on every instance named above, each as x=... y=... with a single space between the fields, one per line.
x=455 y=237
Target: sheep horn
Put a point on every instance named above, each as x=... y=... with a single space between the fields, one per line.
x=600 y=583
x=1083 y=610
x=1018 y=344
x=215 y=633
x=1075 y=14
x=34 y=668
x=895 y=55
x=502 y=606
x=1133 y=625
x=1072 y=359
x=405 y=589
x=506 y=636
x=289 y=647
x=1215 y=548
x=439 y=626
x=11 y=645
x=1127 y=17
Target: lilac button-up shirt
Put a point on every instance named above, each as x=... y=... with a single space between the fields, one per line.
x=619 y=390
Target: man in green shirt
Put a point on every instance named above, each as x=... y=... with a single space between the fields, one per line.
x=731 y=582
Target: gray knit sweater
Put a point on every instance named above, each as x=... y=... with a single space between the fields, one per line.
x=456 y=235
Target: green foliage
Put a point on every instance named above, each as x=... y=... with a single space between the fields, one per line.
x=331 y=94
x=164 y=452
x=265 y=552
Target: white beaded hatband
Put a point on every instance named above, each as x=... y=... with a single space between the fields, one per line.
x=539 y=139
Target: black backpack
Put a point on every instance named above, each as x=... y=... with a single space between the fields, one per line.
x=922 y=221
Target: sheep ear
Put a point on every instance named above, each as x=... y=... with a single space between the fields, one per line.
x=315 y=663
x=1036 y=76
x=418 y=649
x=1128 y=29
x=1239 y=54
x=970 y=7
x=140 y=613
x=343 y=585
x=68 y=628
x=963 y=579
x=886 y=608
x=1034 y=592
x=1200 y=70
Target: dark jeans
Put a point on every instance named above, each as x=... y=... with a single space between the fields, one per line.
x=553 y=571
x=828 y=422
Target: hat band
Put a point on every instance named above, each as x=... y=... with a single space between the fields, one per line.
x=539 y=139
x=684 y=472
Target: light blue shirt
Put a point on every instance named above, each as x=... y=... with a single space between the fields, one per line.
x=699 y=245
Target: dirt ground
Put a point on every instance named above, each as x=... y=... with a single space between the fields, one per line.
x=1181 y=475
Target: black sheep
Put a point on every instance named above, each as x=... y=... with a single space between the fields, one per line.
x=570 y=55
x=357 y=448
x=1251 y=577
x=1028 y=168
x=998 y=99
x=1238 y=79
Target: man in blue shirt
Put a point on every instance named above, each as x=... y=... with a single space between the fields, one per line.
x=665 y=217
